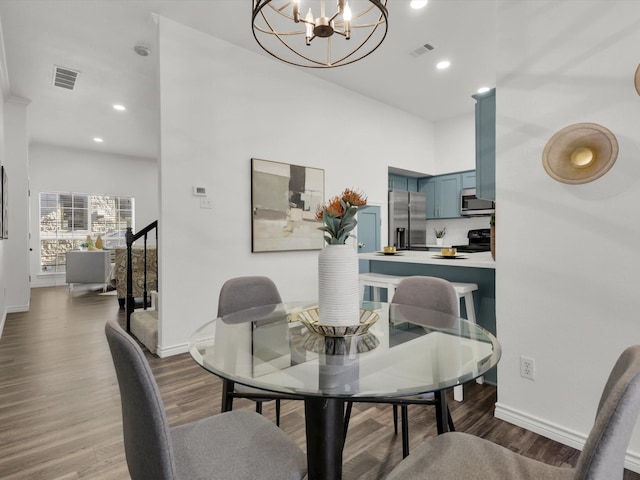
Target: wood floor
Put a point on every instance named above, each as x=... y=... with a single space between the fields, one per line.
x=60 y=405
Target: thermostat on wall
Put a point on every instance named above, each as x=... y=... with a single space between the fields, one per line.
x=200 y=191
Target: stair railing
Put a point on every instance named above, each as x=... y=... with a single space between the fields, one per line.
x=131 y=238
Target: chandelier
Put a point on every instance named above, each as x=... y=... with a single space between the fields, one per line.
x=331 y=33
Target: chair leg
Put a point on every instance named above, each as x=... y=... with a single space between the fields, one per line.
x=443 y=415
x=227 y=397
x=259 y=407
x=452 y=427
x=347 y=416
x=277 y=412
x=395 y=419
x=405 y=430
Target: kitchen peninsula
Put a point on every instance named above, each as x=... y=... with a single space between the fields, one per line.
x=476 y=268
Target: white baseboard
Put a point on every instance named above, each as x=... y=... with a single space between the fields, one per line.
x=2 y=320
x=18 y=308
x=163 y=352
x=555 y=432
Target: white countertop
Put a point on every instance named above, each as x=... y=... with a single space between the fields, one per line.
x=474 y=260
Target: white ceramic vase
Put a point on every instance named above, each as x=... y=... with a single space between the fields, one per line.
x=439 y=241
x=339 y=292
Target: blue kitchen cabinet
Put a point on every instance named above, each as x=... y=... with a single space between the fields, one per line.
x=448 y=195
x=469 y=179
x=429 y=189
x=397 y=182
x=443 y=195
x=402 y=182
x=486 y=145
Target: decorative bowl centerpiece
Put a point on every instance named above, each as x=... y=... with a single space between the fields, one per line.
x=310 y=318
x=340 y=345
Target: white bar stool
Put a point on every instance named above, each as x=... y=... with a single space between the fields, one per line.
x=378 y=281
x=390 y=282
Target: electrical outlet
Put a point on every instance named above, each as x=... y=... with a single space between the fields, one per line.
x=528 y=368
x=206 y=202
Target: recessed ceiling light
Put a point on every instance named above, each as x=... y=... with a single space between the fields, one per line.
x=419 y=3
x=483 y=89
x=98 y=140
x=142 y=50
x=120 y=108
x=443 y=64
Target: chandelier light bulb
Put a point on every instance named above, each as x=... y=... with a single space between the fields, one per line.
x=309 y=25
x=296 y=11
x=347 y=13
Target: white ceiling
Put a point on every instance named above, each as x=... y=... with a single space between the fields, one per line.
x=97 y=38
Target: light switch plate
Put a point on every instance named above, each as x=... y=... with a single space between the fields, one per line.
x=206 y=202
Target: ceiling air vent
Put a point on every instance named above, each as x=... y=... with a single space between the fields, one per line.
x=421 y=50
x=64 y=77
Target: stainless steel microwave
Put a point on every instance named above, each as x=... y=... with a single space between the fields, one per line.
x=471 y=205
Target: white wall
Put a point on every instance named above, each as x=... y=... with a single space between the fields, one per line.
x=567 y=262
x=57 y=169
x=4 y=253
x=455 y=144
x=455 y=151
x=222 y=105
x=17 y=165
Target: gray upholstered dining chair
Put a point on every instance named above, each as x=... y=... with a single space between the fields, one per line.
x=238 y=294
x=434 y=294
x=233 y=445
x=460 y=455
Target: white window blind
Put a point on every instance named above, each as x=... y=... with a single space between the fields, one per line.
x=66 y=219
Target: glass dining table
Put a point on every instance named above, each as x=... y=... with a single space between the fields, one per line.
x=406 y=351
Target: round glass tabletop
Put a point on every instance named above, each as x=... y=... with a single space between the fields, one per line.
x=406 y=351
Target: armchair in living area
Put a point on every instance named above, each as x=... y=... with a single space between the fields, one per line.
x=138 y=262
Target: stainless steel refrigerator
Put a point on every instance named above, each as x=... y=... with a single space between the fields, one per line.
x=407 y=219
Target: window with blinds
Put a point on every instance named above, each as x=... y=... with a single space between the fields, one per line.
x=66 y=219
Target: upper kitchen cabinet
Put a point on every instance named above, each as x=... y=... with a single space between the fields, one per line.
x=486 y=145
x=397 y=182
x=469 y=179
x=443 y=194
x=402 y=182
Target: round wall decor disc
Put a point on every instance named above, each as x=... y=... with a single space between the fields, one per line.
x=580 y=153
x=637 y=80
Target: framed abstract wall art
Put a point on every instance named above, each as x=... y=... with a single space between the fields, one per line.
x=284 y=200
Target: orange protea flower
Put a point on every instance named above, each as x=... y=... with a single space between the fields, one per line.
x=354 y=197
x=338 y=215
x=334 y=208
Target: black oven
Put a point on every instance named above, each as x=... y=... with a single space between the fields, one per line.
x=479 y=241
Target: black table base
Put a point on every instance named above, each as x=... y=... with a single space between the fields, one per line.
x=324 y=451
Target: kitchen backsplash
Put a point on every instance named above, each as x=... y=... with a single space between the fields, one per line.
x=457 y=229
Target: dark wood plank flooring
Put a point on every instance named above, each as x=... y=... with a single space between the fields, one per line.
x=60 y=407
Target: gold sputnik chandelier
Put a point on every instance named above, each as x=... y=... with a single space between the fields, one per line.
x=319 y=33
